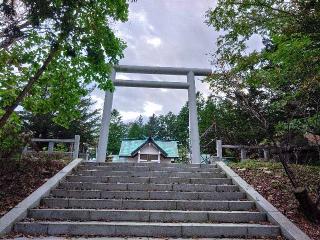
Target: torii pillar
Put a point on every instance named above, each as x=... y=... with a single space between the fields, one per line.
x=192 y=104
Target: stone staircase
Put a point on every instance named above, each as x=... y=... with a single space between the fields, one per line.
x=147 y=200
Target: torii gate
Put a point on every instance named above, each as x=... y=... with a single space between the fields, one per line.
x=189 y=85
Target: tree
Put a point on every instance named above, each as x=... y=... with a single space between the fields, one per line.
x=182 y=127
x=152 y=126
x=136 y=129
x=167 y=126
x=117 y=132
x=86 y=124
x=277 y=86
x=51 y=51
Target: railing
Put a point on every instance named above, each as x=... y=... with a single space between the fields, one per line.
x=243 y=150
x=75 y=144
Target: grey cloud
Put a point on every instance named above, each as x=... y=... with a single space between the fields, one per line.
x=185 y=42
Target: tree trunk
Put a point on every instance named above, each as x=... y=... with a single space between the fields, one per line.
x=10 y=109
x=307 y=205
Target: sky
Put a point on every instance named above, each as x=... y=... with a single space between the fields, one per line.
x=169 y=33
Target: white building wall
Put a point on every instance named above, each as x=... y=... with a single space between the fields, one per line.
x=149 y=149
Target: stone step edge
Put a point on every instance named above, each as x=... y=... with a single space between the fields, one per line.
x=140 y=210
x=140 y=191
x=148 y=229
x=153 y=184
x=175 y=175
x=145 y=168
x=149 y=200
x=157 y=177
x=134 y=238
x=152 y=195
x=146 y=215
x=150 y=164
x=151 y=223
x=65 y=203
x=144 y=190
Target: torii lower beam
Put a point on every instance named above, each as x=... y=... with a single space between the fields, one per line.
x=150 y=84
x=190 y=85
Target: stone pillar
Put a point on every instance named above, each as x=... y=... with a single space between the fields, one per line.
x=193 y=120
x=266 y=154
x=219 y=149
x=105 y=123
x=243 y=154
x=76 y=146
x=139 y=157
x=50 y=147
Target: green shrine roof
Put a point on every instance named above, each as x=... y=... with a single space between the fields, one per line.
x=130 y=147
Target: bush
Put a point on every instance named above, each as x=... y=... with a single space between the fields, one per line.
x=12 y=139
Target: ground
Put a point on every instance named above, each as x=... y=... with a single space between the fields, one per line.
x=19 y=178
x=270 y=181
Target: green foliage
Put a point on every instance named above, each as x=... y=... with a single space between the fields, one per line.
x=274 y=91
x=152 y=127
x=12 y=139
x=60 y=147
x=117 y=132
x=86 y=124
x=136 y=129
x=87 y=48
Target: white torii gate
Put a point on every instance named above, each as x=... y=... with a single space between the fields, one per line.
x=189 y=85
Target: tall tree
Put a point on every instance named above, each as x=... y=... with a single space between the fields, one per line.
x=279 y=85
x=182 y=126
x=117 y=132
x=152 y=126
x=86 y=124
x=167 y=126
x=50 y=51
x=136 y=129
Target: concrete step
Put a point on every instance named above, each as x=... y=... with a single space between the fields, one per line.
x=197 y=205
x=213 y=174
x=148 y=187
x=156 y=195
x=158 y=180
x=147 y=229
x=147 y=215
x=151 y=165
x=127 y=238
x=146 y=169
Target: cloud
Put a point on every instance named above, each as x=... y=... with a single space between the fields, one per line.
x=151 y=108
x=153 y=41
x=139 y=16
x=162 y=33
x=98 y=102
x=129 y=116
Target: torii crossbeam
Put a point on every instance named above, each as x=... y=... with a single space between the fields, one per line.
x=189 y=85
